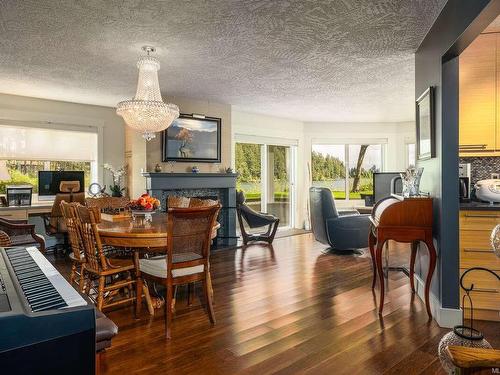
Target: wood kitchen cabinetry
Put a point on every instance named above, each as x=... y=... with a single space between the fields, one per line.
x=479 y=85
x=476 y=251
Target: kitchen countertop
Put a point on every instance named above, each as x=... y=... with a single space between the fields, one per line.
x=479 y=206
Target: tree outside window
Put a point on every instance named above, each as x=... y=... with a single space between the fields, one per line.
x=347 y=170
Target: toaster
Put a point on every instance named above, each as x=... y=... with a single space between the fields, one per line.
x=488 y=190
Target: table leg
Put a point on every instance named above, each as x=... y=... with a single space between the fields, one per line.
x=378 y=260
x=371 y=244
x=149 y=303
x=430 y=272
x=414 y=248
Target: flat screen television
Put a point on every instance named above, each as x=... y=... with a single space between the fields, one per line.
x=382 y=185
x=48 y=182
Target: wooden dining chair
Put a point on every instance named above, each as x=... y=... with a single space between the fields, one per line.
x=108 y=204
x=188 y=250
x=76 y=255
x=5 y=239
x=197 y=202
x=100 y=268
x=175 y=201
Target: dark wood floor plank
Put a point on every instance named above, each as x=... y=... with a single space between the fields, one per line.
x=285 y=310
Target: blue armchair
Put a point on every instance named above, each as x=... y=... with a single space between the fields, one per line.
x=342 y=231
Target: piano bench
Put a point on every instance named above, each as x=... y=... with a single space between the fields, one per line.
x=105 y=330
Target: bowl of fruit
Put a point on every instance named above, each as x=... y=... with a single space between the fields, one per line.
x=145 y=206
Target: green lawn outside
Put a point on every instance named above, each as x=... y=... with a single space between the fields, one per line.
x=284 y=195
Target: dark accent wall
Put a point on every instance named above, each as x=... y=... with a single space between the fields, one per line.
x=436 y=64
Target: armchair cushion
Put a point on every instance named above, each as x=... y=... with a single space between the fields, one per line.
x=256 y=219
x=348 y=232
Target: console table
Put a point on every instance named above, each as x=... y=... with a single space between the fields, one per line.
x=402 y=220
x=23 y=212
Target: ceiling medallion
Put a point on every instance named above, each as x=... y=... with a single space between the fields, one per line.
x=147 y=112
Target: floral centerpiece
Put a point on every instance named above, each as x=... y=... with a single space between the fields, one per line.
x=144 y=203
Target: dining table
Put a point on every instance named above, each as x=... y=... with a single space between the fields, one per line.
x=138 y=234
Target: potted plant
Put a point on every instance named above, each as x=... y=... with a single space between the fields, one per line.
x=116 y=189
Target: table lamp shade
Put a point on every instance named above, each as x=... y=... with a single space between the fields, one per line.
x=4 y=171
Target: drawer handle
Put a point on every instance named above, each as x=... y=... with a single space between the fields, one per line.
x=485 y=290
x=472 y=250
x=483 y=216
x=478 y=146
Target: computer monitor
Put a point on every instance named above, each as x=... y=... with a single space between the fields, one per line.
x=383 y=185
x=49 y=181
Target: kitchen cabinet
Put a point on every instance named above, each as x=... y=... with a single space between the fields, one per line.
x=476 y=251
x=479 y=129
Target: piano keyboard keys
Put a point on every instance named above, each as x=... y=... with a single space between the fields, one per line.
x=44 y=288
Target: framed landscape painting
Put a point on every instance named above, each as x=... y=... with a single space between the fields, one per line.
x=426 y=144
x=192 y=139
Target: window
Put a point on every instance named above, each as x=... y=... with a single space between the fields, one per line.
x=346 y=169
x=27 y=150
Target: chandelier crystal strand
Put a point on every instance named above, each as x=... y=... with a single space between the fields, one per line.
x=147 y=112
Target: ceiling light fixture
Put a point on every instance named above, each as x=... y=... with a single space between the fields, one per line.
x=147 y=112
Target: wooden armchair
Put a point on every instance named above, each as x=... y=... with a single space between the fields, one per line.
x=255 y=219
x=77 y=256
x=4 y=239
x=22 y=233
x=473 y=360
x=54 y=222
x=108 y=204
x=110 y=277
x=189 y=233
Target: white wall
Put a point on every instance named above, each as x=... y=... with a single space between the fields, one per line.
x=52 y=113
x=202 y=107
x=394 y=135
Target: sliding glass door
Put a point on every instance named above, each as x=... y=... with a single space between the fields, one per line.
x=278 y=183
x=266 y=176
x=249 y=168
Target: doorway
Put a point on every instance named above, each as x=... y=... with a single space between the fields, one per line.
x=266 y=174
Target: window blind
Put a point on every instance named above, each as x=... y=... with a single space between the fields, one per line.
x=31 y=143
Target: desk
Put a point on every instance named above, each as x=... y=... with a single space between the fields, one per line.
x=402 y=220
x=22 y=212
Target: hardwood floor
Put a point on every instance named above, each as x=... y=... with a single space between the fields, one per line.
x=284 y=310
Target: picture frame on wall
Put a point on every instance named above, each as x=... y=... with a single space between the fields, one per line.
x=425 y=124
x=192 y=138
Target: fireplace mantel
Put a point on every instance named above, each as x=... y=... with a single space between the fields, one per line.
x=214 y=185
x=166 y=181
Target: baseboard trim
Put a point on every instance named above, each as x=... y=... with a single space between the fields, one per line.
x=445 y=317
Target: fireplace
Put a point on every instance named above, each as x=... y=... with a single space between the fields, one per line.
x=220 y=186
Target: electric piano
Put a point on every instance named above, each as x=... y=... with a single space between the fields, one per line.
x=402 y=220
x=46 y=326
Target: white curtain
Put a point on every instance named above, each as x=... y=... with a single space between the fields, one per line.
x=31 y=143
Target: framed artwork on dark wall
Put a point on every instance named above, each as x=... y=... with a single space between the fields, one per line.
x=425 y=121
x=192 y=138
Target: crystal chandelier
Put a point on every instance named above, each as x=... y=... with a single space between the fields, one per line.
x=147 y=112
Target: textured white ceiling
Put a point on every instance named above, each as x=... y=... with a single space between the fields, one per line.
x=311 y=60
